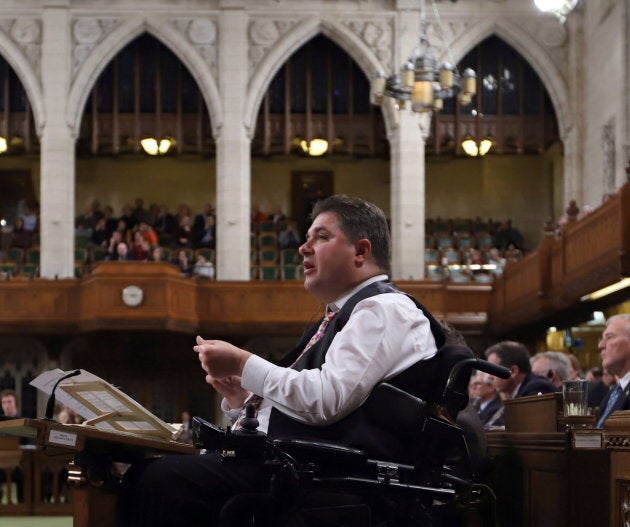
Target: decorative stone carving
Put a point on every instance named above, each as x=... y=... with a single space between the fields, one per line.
x=27 y=34
x=553 y=37
x=202 y=35
x=608 y=154
x=378 y=35
x=87 y=33
x=263 y=34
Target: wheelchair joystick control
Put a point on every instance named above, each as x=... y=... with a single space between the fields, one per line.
x=249 y=423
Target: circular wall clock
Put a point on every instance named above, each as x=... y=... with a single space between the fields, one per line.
x=132 y=296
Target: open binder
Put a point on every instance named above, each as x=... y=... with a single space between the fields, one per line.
x=102 y=405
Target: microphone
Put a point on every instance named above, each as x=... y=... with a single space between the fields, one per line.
x=50 y=406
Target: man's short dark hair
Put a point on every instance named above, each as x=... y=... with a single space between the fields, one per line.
x=9 y=393
x=360 y=219
x=511 y=353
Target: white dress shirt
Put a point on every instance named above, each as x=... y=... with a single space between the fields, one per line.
x=385 y=335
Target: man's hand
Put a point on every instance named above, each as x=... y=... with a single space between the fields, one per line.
x=220 y=359
x=231 y=390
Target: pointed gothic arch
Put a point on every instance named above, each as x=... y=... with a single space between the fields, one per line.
x=531 y=50
x=28 y=77
x=105 y=52
x=358 y=50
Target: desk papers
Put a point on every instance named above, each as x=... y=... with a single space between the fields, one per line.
x=103 y=405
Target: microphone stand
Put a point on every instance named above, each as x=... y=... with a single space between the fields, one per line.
x=50 y=406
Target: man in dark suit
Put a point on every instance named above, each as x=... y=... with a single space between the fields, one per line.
x=615 y=351
x=522 y=382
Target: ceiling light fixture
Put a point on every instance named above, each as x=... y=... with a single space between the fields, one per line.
x=608 y=290
x=315 y=147
x=421 y=81
x=474 y=149
x=152 y=147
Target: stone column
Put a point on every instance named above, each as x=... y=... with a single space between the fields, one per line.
x=57 y=192
x=233 y=149
x=407 y=195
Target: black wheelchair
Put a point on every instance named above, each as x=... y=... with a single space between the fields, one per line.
x=315 y=483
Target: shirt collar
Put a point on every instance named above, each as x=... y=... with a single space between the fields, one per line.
x=623 y=382
x=339 y=302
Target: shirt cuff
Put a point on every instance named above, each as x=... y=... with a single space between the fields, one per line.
x=254 y=374
x=231 y=413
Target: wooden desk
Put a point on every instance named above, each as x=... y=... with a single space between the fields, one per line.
x=540 y=478
x=94 y=492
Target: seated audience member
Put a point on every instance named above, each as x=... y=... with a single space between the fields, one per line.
x=147 y=232
x=495 y=258
x=506 y=235
x=597 y=389
x=199 y=222
x=203 y=267
x=576 y=371
x=99 y=236
x=20 y=237
x=157 y=254
x=474 y=385
x=554 y=365
x=289 y=237
x=277 y=215
x=111 y=222
x=139 y=213
x=522 y=382
x=207 y=236
x=121 y=253
x=184 y=236
x=114 y=240
x=370 y=332
x=165 y=222
x=128 y=217
x=30 y=219
x=140 y=248
x=184 y=264
x=257 y=215
x=512 y=254
x=490 y=404
x=615 y=351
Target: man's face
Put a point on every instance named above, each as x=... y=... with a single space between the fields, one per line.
x=487 y=390
x=329 y=259
x=615 y=348
x=9 y=406
x=500 y=385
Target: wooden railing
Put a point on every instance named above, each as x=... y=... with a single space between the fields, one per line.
x=590 y=254
x=173 y=302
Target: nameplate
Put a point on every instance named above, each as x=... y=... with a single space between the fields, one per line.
x=588 y=440
x=61 y=437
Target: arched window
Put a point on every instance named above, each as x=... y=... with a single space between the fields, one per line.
x=145 y=91
x=320 y=92
x=512 y=106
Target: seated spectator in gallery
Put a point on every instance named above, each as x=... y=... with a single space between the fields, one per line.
x=495 y=258
x=147 y=232
x=139 y=213
x=199 y=223
x=554 y=365
x=207 y=237
x=99 y=237
x=277 y=215
x=165 y=222
x=257 y=215
x=184 y=236
x=111 y=222
x=183 y=263
x=140 y=248
x=157 y=254
x=203 y=267
x=31 y=219
x=128 y=217
x=289 y=238
x=522 y=382
x=20 y=237
x=512 y=253
x=506 y=235
x=121 y=253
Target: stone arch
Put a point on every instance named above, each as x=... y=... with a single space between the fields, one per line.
x=28 y=77
x=531 y=50
x=291 y=42
x=106 y=50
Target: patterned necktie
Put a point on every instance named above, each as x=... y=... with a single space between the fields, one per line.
x=257 y=400
x=611 y=403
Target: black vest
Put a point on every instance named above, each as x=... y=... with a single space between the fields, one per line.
x=359 y=429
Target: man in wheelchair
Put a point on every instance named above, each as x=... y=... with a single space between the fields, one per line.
x=365 y=383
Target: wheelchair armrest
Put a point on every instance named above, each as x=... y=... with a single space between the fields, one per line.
x=394 y=409
x=320 y=453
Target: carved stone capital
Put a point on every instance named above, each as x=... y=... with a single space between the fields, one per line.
x=87 y=33
x=201 y=33
x=378 y=35
x=264 y=33
x=27 y=35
